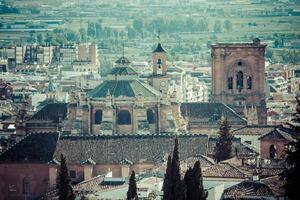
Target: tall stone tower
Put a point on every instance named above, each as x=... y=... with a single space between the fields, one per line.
x=159 y=78
x=238 y=76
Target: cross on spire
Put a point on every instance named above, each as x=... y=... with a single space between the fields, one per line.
x=123 y=49
x=158 y=35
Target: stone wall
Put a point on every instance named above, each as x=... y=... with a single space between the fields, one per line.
x=12 y=176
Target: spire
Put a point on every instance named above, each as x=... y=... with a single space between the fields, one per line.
x=123 y=53
x=159 y=48
x=158 y=36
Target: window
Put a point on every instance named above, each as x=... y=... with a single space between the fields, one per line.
x=273 y=152
x=72 y=173
x=25 y=186
x=159 y=63
x=240 y=80
x=240 y=63
x=230 y=83
x=150 y=116
x=249 y=82
x=124 y=117
x=98 y=117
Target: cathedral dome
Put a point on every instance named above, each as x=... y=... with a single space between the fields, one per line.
x=124 y=88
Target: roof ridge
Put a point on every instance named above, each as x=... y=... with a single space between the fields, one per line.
x=233 y=112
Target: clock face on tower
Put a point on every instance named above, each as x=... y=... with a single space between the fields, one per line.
x=162 y=84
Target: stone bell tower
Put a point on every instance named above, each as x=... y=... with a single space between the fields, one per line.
x=159 y=78
x=238 y=76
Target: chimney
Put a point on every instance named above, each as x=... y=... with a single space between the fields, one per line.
x=255 y=176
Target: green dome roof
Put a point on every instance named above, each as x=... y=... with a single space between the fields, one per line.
x=119 y=88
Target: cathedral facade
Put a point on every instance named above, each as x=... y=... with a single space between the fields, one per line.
x=238 y=78
x=126 y=104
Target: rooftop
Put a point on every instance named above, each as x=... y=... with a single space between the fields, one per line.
x=210 y=113
x=247 y=189
x=159 y=49
x=123 y=88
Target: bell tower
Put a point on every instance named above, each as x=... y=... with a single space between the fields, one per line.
x=238 y=76
x=159 y=78
x=159 y=59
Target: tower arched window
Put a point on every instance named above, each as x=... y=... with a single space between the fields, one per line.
x=124 y=117
x=159 y=63
x=150 y=116
x=230 y=83
x=98 y=117
x=240 y=80
x=249 y=82
x=25 y=186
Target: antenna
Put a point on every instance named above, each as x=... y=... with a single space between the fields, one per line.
x=158 y=35
x=123 y=49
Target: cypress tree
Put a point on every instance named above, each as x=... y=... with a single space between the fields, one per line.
x=177 y=191
x=224 y=142
x=132 y=190
x=65 y=190
x=167 y=187
x=291 y=174
x=194 y=183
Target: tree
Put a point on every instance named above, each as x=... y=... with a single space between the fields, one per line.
x=167 y=187
x=39 y=38
x=177 y=191
x=132 y=191
x=291 y=174
x=99 y=29
x=228 y=25
x=91 y=30
x=194 y=183
x=138 y=26
x=83 y=34
x=224 y=142
x=65 y=190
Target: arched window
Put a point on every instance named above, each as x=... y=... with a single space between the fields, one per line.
x=230 y=83
x=249 y=82
x=124 y=117
x=159 y=63
x=273 y=152
x=150 y=116
x=98 y=117
x=240 y=80
x=25 y=186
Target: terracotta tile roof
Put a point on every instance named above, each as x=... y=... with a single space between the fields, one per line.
x=278 y=133
x=45 y=147
x=276 y=185
x=34 y=148
x=51 y=112
x=136 y=148
x=204 y=161
x=224 y=170
x=253 y=130
x=210 y=113
x=248 y=190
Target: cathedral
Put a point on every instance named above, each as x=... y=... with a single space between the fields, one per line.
x=126 y=104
